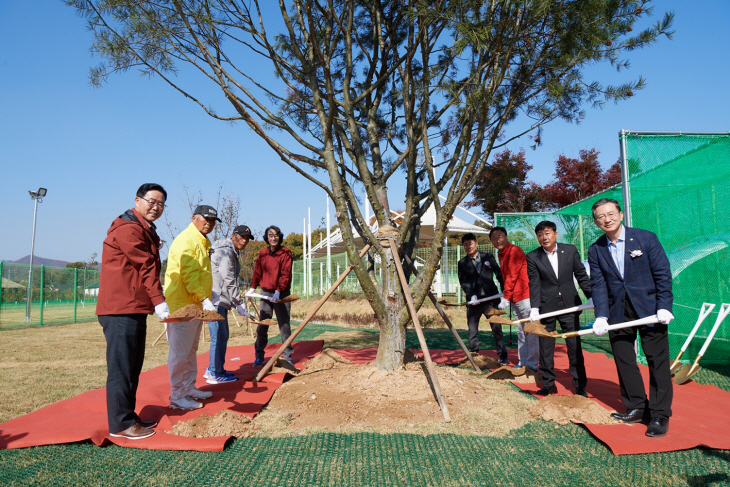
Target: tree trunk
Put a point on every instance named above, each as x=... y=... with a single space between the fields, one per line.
x=392 y=344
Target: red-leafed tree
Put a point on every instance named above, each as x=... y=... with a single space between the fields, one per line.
x=503 y=186
x=576 y=179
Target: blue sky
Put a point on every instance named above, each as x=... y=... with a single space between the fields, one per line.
x=92 y=147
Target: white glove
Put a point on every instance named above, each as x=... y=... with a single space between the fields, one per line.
x=242 y=311
x=473 y=300
x=503 y=304
x=275 y=297
x=600 y=326
x=207 y=305
x=534 y=314
x=214 y=296
x=250 y=292
x=162 y=310
x=590 y=301
x=665 y=317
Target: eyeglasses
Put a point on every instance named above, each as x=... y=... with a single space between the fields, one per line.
x=610 y=214
x=154 y=203
x=273 y=235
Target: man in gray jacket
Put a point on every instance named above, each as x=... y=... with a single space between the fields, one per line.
x=225 y=267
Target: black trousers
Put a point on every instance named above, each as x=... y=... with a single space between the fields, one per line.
x=125 y=344
x=655 y=343
x=473 y=315
x=282 y=311
x=575 y=352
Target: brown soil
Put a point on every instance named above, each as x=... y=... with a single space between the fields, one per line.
x=332 y=395
x=483 y=361
x=223 y=423
x=537 y=328
x=186 y=311
x=566 y=409
x=500 y=320
x=496 y=312
x=193 y=310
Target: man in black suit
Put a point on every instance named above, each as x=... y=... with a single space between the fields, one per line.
x=476 y=276
x=551 y=268
x=631 y=279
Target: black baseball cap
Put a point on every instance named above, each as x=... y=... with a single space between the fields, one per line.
x=206 y=212
x=243 y=231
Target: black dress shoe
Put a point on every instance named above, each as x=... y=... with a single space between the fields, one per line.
x=544 y=391
x=630 y=416
x=658 y=427
x=581 y=392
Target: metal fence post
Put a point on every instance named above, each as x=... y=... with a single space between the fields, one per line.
x=43 y=285
x=76 y=290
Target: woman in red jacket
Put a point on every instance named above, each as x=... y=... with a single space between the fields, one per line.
x=273 y=272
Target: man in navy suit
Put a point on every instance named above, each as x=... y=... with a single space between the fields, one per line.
x=631 y=279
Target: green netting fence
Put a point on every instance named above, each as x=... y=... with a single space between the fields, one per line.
x=58 y=295
x=676 y=185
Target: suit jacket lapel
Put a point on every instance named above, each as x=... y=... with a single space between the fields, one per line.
x=543 y=259
x=609 y=258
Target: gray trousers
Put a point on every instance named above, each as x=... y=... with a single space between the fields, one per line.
x=268 y=309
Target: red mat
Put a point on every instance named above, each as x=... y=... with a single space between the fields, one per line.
x=84 y=417
x=689 y=427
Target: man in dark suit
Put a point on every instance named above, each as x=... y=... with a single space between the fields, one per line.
x=551 y=268
x=631 y=279
x=476 y=276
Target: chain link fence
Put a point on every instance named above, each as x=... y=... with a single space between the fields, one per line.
x=58 y=295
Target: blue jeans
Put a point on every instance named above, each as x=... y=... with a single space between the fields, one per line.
x=218 y=342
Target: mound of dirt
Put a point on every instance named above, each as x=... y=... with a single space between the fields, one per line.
x=326 y=360
x=224 y=423
x=566 y=409
x=537 y=328
x=192 y=310
x=496 y=312
x=529 y=377
x=505 y=372
x=499 y=320
x=282 y=366
x=483 y=361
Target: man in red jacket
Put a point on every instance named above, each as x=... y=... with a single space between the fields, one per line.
x=516 y=291
x=273 y=272
x=129 y=290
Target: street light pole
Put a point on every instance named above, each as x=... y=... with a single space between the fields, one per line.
x=37 y=196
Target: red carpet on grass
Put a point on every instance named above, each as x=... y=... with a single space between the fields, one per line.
x=84 y=417
x=690 y=426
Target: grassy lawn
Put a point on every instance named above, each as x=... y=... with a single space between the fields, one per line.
x=42 y=365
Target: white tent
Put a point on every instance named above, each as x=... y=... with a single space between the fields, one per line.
x=455 y=226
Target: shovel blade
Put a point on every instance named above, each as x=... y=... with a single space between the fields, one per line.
x=686 y=373
x=676 y=365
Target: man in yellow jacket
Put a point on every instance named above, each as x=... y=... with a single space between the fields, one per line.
x=188 y=280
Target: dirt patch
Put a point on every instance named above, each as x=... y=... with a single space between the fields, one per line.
x=483 y=361
x=223 y=423
x=566 y=409
x=537 y=328
x=326 y=360
x=192 y=310
x=499 y=320
x=496 y=312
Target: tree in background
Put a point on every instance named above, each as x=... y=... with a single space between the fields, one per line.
x=576 y=179
x=366 y=91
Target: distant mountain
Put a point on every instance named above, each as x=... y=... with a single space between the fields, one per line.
x=41 y=261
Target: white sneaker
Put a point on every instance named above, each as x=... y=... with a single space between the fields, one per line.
x=187 y=403
x=198 y=394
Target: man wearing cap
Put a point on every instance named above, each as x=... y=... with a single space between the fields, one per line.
x=129 y=290
x=188 y=280
x=273 y=272
x=226 y=267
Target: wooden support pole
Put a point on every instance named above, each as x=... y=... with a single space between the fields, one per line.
x=446 y=319
x=421 y=338
x=163 y=332
x=308 y=317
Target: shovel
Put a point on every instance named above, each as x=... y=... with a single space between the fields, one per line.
x=544 y=333
x=704 y=311
x=574 y=309
x=289 y=299
x=470 y=303
x=686 y=372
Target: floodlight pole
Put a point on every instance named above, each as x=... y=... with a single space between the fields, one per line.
x=625 y=178
x=37 y=196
